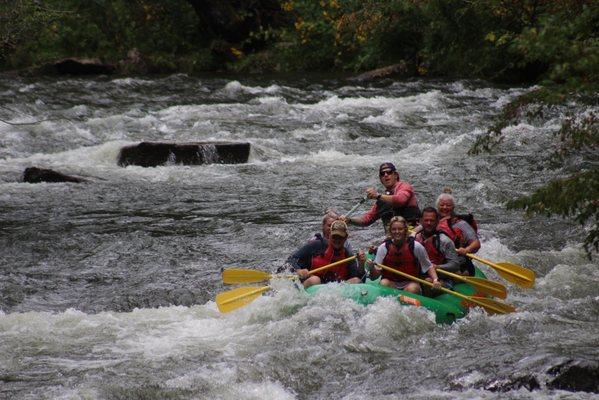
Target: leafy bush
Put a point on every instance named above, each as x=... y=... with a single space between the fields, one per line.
x=568 y=42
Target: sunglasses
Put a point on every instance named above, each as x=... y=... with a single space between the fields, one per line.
x=383 y=173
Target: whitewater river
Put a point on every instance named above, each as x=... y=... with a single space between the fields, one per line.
x=107 y=288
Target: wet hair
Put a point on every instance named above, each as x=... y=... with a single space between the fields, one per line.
x=445 y=195
x=430 y=210
x=397 y=218
x=329 y=213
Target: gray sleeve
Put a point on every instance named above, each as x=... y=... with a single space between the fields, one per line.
x=381 y=252
x=452 y=260
x=302 y=257
x=422 y=257
x=469 y=233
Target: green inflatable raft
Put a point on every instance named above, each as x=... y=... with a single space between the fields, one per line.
x=447 y=308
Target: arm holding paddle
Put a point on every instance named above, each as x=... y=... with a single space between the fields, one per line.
x=452 y=261
x=239 y=297
x=332 y=250
x=366 y=219
x=470 y=237
x=422 y=260
x=490 y=305
x=299 y=261
x=347 y=218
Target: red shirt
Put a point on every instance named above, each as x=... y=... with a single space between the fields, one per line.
x=403 y=195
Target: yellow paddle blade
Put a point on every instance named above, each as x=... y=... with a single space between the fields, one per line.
x=232 y=276
x=511 y=272
x=484 y=286
x=491 y=306
x=523 y=277
x=236 y=298
x=489 y=287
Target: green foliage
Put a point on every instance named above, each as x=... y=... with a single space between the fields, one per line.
x=525 y=107
x=564 y=38
x=568 y=43
x=351 y=35
x=575 y=196
x=496 y=39
x=104 y=28
x=578 y=134
x=20 y=23
x=458 y=38
x=198 y=61
x=311 y=38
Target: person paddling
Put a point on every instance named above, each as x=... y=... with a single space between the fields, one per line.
x=404 y=254
x=398 y=199
x=303 y=255
x=460 y=228
x=318 y=253
x=439 y=247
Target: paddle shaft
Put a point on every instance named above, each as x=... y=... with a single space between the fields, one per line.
x=484 y=285
x=427 y=283
x=354 y=208
x=314 y=271
x=233 y=276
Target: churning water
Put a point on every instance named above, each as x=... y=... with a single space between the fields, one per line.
x=107 y=287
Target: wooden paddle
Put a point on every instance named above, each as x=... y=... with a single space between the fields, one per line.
x=233 y=299
x=514 y=273
x=232 y=276
x=236 y=298
x=491 y=306
x=482 y=285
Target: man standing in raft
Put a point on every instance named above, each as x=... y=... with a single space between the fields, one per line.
x=398 y=199
x=318 y=253
x=403 y=253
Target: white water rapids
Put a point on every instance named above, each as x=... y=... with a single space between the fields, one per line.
x=107 y=288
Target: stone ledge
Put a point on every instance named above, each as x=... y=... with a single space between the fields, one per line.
x=152 y=154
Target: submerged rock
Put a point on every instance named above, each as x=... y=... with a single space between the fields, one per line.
x=575 y=376
x=527 y=382
x=37 y=175
x=152 y=154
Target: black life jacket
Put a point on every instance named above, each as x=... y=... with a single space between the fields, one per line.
x=386 y=211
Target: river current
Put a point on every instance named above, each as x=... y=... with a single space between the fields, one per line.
x=107 y=288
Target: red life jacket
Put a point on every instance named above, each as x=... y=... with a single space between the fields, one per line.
x=338 y=273
x=432 y=245
x=401 y=259
x=454 y=233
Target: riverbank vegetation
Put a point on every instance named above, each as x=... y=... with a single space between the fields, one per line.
x=551 y=44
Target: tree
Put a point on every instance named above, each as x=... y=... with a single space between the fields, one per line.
x=20 y=22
